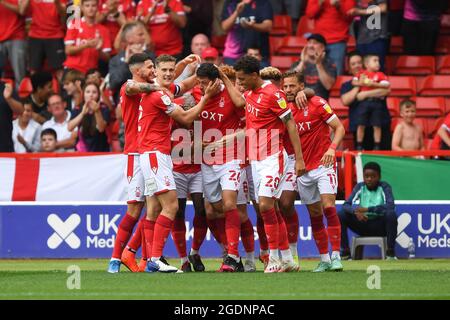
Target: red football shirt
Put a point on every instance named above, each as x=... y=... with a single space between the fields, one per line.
x=12 y=25
x=88 y=58
x=265 y=107
x=312 y=126
x=154 y=123
x=127 y=7
x=165 y=35
x=286 y=140
x=45 y=20
x=374 y=76
x=182 y=138
x=130 y=114
x=219 y=114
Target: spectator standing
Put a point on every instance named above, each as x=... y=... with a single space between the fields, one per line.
x=370 y=211
x=199 y=43
x=91 y=120
x=372 y=39
x=8 y=105
x=248 y=23
x=59 y=123
x=86 y=40
x=293 y=8
x=370 y=110
x=164 y=19
x=421 y=21
x=351 y=96
x=26 y=133
x=12 y=38
x=199 y=19
x=49 y=140
x=135 y=36
x=318 y=68
x=332 y=20
x=46 y=35
x=113 y=14
x=407 y=135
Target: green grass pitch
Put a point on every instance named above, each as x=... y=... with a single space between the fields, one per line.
x=401 y=279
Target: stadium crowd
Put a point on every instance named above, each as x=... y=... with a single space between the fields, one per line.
x=77 y=75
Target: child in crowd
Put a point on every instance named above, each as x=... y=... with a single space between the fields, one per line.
x=370 y=111
x=407 y=134
x=48 y=140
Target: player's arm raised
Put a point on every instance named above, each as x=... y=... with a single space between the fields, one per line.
x=295 y=140
x=187 y=117
x=329 y=157
x=235 y=95
x=132 y=88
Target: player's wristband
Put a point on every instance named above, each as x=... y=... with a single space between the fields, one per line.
x=333 y=146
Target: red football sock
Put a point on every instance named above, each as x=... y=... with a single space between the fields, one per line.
x=271 y=228
x=282 y=233
x=263 y=245
x=247 y=236
x=163 y=225
x=143 y=246
x=200 y=229
x=123 y=235
x=232 y=230
x=320 y=234
x=334 y=228
x=149 y=230
x=292 y=225
x=179 y=236
x=135 y=241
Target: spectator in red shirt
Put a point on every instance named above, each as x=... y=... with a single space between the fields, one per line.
x=332 y=21
x=46 y=33
x=113 y=14
x=164 y=18
x=12 y=38
x=86 y=41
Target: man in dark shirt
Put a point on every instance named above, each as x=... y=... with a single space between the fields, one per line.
x=8 y=105
x=319 y=70
x=248 y=24
x=370 y=211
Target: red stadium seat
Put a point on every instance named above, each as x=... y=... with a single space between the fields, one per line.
x=305 y=26
x=281 y=26
x=435 y=85
x=443 y=45
x=402 y=86
x=393 y=105
x=443 y=64
x=218 y=42
x=283 y=63
x=336 y=89
x=396 y=45
x=430 y=106
x=25 y=87
x=274 y=43
x=351 y=44
x=389 y=64
x=415 y=65
x=291 y=45
x=338 y=107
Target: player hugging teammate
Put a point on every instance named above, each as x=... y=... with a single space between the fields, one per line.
x=287 y=149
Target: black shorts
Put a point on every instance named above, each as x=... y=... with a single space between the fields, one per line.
x=51 y=50
x=371 y=113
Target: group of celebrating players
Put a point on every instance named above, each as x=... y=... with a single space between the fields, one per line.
x=224 y=136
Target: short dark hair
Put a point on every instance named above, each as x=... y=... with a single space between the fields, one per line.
x=49 y=132
x=291 y=74
x=372 y=166
x=407 y=103
x=92 y=71
x=248 y=65
x=253 y=47
x=138 y=58
x=165 y=58
x=40 y=79
x=208 y=70
x=353 y=54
